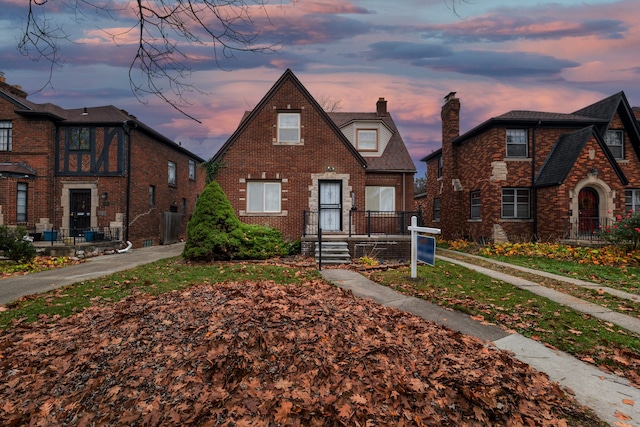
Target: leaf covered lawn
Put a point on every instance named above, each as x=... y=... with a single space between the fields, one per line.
x=262 y=354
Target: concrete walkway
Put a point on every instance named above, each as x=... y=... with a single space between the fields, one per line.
x=14 y=287
x=602 y=392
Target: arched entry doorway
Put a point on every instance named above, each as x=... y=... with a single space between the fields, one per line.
x=588 y=210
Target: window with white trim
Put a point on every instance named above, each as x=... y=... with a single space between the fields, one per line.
x=6 y=135
x=517 y=143
x=632 y=200
x=367 y=140
x=515 y=203
x=380 y=199
x=475 y=205
x=171 y=172
x=21 y=208
x=192 y=170
x=289 y=128
x=615 y=141
x=263 y=197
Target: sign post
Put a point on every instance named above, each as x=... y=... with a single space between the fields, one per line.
x=423 y=248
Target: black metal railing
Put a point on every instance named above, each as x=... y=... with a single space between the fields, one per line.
x=366 y=222
x=588 y=228
x=72 y=236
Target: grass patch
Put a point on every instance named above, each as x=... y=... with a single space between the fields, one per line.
x=602 y=343
x=155 y=278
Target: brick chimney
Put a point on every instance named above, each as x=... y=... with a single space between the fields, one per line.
x=14 y=90
x=381 y=107
x=450 y=118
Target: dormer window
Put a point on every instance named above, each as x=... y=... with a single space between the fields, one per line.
x=289 y=128
x=367 y=140
x=615 y=141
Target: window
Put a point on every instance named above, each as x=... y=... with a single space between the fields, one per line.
x=152 y=195
x=516 y=143
x=192 y=170
x=475 y=205
x=5 y=136
x=440 y=166
x=184 y=206
x=367 y=140
x=436 y=209
x=79 y=139
x=515 y=203
x=172 y=173
x=263 y=197
x=382 y=199
x=632 y=200
x=615 y=141
x=22 y=202
x=289 y=127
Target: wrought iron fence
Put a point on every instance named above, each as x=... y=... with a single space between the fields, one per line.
x=367 y=222
x=72 y=236
x=588 y=228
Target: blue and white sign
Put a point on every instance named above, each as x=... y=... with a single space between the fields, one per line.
x=423 y=248
x=427 y=249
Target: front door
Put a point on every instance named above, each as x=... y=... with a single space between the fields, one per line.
x=588 y=211
x=330 y=205
x=80 y=219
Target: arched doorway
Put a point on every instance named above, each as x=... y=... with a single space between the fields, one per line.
x=588 y=210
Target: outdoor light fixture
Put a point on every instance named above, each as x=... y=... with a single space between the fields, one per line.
x=594 y=172
x=104 y=195
x=331 y=169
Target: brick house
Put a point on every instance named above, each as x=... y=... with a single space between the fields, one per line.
x=91 y=174
x=528 y=175
x=297 y=168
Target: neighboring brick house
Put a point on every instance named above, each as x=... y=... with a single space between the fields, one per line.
x=65 y=173
x=289 y=163
x=528 y=175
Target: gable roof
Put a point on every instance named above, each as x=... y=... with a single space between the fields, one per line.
x=565 y=153
x=396 y=157
x=287 y=76
x=103 y=115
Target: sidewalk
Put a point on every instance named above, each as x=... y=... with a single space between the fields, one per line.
x=13 y=288
x=602 y=392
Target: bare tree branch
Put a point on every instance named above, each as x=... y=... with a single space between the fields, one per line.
x=165 y=30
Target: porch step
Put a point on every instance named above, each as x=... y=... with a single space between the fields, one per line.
x=334 y=253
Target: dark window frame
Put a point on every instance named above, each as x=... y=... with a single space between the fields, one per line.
x=475 y=205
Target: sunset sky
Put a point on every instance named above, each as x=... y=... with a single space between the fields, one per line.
x=498 y=55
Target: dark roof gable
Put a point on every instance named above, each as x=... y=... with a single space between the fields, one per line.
x=565 y=153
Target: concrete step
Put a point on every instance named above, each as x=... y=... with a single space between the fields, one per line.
x=334 y=253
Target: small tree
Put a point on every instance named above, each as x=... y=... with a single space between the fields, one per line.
x=13 y=245
x=625 y=231
x=215 y=233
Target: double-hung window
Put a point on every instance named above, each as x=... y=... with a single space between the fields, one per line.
x=380 y=199
x=289 y=128
x=475 y=205
x=517 y=143
x=22 y=202
x=515 y=203
x=615 y=141
x=440 y=166
x=263 y=197
x=171 y=171
x=632 y=200
x=6 y=129
x=192 y=170
x=436 y=209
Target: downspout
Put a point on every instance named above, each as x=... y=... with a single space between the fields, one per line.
x=534 y=193
x=128 y=126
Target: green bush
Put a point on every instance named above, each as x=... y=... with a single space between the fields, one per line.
x=624 y=232
x=215 y=233
x=14 y=247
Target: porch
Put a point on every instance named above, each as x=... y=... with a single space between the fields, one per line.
x=381 y=235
